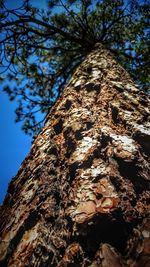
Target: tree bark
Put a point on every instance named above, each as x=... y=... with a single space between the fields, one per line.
x=81 y=197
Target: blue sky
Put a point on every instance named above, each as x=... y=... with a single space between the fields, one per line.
x=14 y=144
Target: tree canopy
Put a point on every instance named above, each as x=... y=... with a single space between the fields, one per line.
x=41 y=47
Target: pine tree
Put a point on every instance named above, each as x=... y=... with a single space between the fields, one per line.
x=81 y=197
x=41 y=48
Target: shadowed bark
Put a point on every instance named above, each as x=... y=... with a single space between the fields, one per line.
x=81 y=197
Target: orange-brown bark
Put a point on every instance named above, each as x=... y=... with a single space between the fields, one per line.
x=81 y=197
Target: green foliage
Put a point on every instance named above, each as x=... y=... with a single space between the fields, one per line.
x=40 y=48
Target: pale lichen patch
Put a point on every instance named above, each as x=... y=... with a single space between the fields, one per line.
x=94 y=171
x=131 y=98
x=99 y=170
x=94 y=62
x=96 y=73
x=127 y=114
x=118 y=85
x=83 y=147
x=78 y=112
x=143 y=128
x=146 y=233
x=78 y=83
x=131 y=87
x=126 y=142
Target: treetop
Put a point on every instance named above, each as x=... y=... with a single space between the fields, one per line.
x=41 y=46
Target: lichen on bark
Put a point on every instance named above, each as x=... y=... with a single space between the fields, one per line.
x=81 y=197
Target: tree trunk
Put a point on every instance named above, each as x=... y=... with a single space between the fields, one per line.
x=81 y=196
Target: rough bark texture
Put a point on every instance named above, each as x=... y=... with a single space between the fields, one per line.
x=81 y=197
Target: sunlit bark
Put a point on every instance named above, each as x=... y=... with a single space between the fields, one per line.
x=81 y=196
